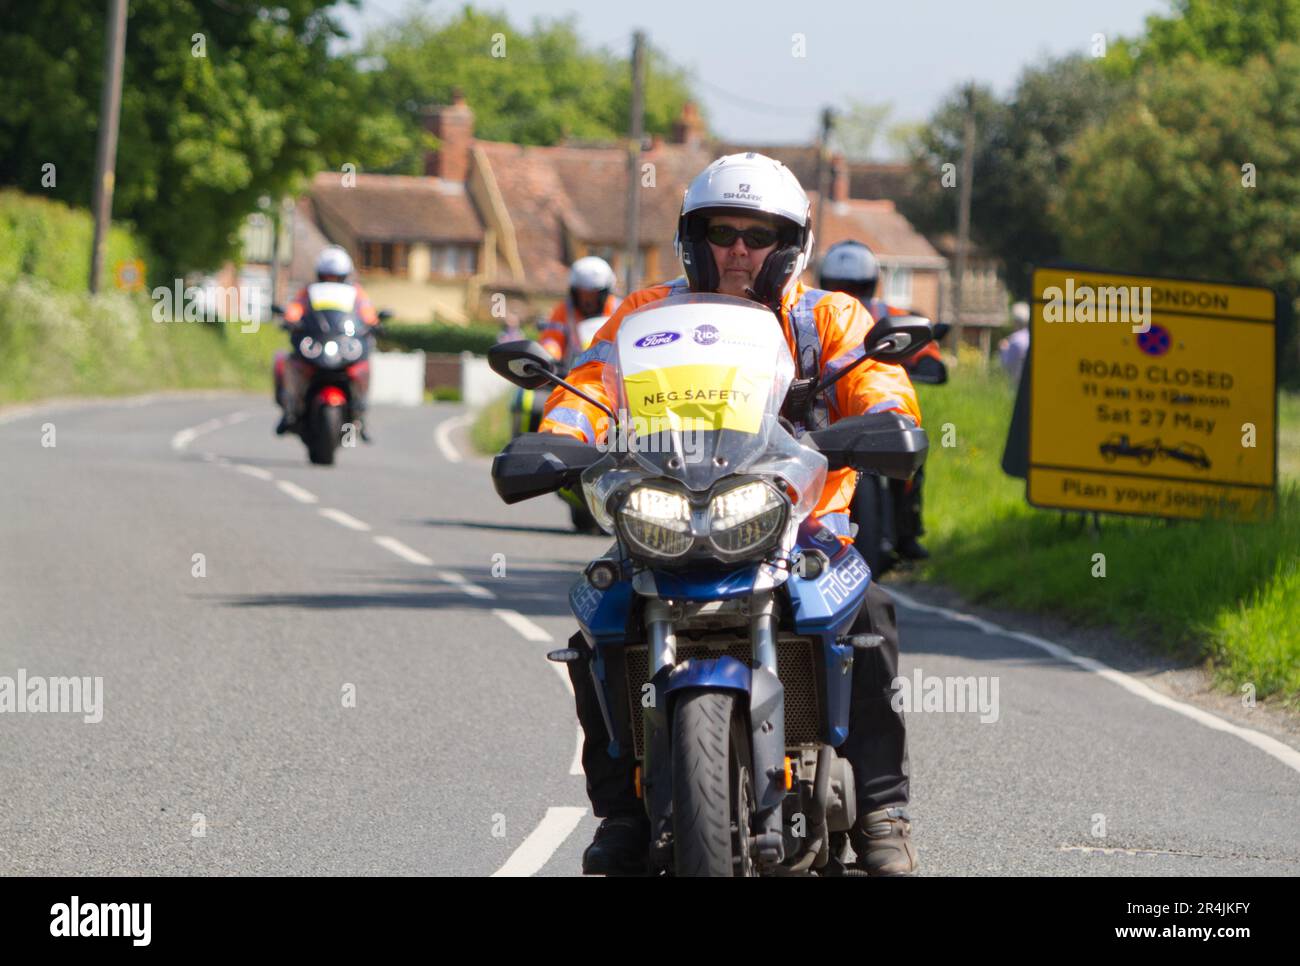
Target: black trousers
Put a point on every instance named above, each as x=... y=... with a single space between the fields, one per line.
x=907 y=506
x=876 y=746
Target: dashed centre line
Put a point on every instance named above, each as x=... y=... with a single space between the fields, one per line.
x=296 y=492
x=344 y=519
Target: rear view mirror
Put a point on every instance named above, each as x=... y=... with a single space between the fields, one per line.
x=524 y=363
x=896 y=337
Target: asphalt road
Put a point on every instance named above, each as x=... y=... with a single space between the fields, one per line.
x=346 y=681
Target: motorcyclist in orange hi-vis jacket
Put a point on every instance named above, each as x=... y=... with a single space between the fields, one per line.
x=745 y=230
x=591 y=286
x=851 y=266
x=333 y=264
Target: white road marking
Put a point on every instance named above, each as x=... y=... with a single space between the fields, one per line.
x=563 y=671
x=402 y=550
x=343 y=519
x=297 y=492
x=20 y=412
x=1270 y=746
x=527 y=629
x=575 y=766
x=536 y=850
x=184 y=437
x=474 y=590
x=442 y=435
x=254 y=471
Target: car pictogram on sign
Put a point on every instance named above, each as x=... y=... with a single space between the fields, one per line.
x=1118 y=445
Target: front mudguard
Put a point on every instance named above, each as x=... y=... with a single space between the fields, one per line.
x=765 y=696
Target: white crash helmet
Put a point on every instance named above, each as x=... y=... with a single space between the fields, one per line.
x=334 y=260
x=850 y=263
x=746 y=184
x=591 y=273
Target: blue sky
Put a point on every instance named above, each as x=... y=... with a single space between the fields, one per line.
x=909 y=54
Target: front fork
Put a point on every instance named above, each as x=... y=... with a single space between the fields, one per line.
x=766 y=722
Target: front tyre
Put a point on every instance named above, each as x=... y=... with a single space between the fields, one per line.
x=323 y=434
x=713 y=794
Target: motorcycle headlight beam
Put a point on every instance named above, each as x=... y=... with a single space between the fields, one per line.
x=657 y=522
x=746 y=519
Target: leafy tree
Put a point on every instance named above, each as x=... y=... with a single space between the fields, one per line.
x=531 y=87
x=858 y=126
x=224 y=102
x=1020 y=157
x=1164 y=181
x=1226 y=32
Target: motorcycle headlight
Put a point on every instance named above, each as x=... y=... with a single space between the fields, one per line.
x=351 y=349
x=746 y=519
x=657 y=522
x=309 y=347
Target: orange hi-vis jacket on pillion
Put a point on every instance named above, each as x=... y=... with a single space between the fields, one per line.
x=842 y=323
x=559 y=335
x=295 y=310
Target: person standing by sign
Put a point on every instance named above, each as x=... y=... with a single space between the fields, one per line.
x=1014 y=348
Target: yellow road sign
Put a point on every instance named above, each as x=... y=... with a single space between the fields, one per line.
x=1152 y=396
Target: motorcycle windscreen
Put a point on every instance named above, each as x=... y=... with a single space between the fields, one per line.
x=700 y=379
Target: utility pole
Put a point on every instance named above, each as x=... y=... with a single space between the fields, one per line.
x=110 y=107
x=276 y=209
x=823 y=166
x=963 y=213
x=632 y=277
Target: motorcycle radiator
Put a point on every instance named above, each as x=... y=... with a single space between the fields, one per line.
x=795 y=666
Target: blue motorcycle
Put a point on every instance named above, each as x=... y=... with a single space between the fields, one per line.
x=719 y=621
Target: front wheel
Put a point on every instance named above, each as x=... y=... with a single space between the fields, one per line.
x=323 y=434
x=713 y=793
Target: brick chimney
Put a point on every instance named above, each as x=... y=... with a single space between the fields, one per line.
x=839 y=178
x=688 y=129
x=453 y=126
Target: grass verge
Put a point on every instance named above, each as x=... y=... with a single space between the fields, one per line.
x=1201 y=589
x=58 y=343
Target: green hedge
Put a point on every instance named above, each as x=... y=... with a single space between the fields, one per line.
x=476 y=338
x=48 y=240
x=57 y=343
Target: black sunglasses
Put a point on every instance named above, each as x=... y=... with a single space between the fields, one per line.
x=724 y=236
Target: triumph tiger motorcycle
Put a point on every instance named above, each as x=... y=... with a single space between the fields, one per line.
x=328 y=368
x=719 y=621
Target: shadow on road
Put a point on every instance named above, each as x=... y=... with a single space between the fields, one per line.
x=532 y=592
x=504 y=527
